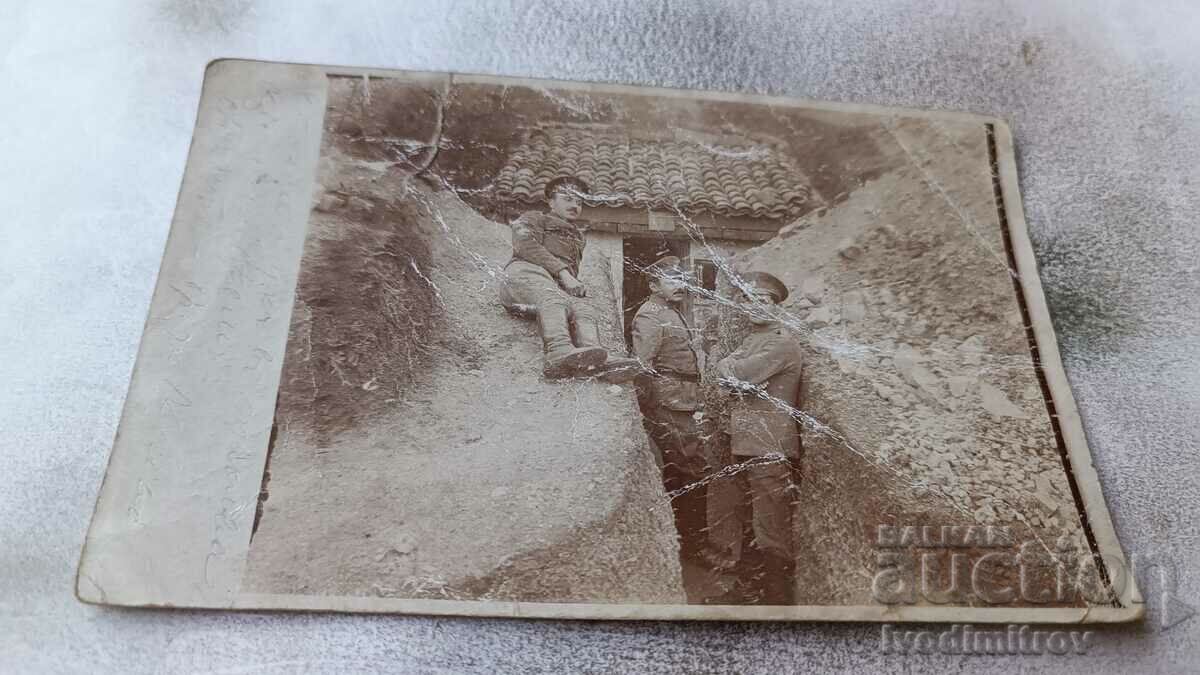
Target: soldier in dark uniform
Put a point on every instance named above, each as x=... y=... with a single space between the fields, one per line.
x=542 y=278
x=670 y=399
x=764 y=375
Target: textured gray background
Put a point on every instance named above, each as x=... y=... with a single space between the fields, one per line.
x=98 y=107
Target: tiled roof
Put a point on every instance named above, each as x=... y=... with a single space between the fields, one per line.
x=728 y=177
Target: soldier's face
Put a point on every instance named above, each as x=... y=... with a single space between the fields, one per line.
x=566 y=205
x=757 y=306
x=669 y=289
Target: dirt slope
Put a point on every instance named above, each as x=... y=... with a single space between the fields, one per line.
x=918 y=361
x=458 y=485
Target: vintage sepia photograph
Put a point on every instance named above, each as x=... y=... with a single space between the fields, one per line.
x=449 y=344
x=630 y=336
x=556 y=345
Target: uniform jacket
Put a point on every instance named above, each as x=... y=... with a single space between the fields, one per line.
x=548 y=241
x=768 y=359
x=662 y=340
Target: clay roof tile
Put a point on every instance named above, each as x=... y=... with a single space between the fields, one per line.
x=736 y=179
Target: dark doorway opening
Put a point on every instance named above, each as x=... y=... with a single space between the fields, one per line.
x=640 y=252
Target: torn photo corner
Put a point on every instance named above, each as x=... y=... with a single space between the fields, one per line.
x=451 y=344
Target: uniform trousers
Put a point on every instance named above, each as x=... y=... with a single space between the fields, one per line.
x=753 y=515
x=529 y=288
x=676 y=434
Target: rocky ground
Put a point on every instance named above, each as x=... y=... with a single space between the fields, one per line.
x=473 y=478
x=918 y=362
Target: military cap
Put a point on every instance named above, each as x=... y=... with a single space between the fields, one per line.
x=666 y=266
x=570 y=182
x=767 y=282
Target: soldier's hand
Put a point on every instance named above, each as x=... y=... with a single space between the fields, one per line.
x=572 y=285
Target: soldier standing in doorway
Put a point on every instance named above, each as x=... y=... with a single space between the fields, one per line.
x=763 y=374
x=669 y=395
x=543 y=279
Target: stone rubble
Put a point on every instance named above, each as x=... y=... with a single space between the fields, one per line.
x=918 y=352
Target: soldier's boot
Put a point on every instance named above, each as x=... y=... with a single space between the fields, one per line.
x=562 y=358
x=779 y=580
x=692 y=522
x=615 y=369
